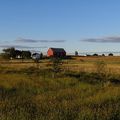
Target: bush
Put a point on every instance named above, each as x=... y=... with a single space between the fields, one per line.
x=110 y=54
x=101 y=70
x=56 y=66
x=95 y=54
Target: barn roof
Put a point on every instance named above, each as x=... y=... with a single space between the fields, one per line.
x=58 y=49
x=35 y=53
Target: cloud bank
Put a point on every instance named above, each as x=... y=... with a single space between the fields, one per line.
x=114 y=39
x=21 y=47
x=23 y=40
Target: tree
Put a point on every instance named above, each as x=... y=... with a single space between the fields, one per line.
x=88 y=55
x=10 y=52
x=76 y=53
x=18 y=53
x=95 y=54
x=103 y=54
x=41 y=55
x=26 y=54
x=110 y=54
x=13 y=53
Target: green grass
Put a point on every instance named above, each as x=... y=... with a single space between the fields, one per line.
x=33 y=94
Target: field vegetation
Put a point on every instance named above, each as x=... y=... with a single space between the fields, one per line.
x=83 y=88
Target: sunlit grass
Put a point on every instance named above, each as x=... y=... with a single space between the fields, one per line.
x=29 y=93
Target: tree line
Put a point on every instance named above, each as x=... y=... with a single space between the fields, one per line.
x=12 y=53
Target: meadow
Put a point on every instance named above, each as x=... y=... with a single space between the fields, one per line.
x=86 y=88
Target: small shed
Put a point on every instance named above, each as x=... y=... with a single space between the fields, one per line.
x=56 y=52
x=35 y=56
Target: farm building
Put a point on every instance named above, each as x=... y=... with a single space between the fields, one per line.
x=35 y=56
x=56 y=52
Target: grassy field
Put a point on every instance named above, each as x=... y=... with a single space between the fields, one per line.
x=28 y=91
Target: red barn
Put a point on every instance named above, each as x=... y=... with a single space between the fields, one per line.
x=56 y=52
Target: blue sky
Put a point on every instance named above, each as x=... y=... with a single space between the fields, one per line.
x=82 y=25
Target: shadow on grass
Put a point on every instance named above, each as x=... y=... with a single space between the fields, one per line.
x=92 y=78
x=115 y=81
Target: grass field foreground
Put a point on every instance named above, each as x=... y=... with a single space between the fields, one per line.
x=31 y=93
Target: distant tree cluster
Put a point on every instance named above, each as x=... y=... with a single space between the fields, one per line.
x=110 y=54
x=12 y=53
x=95 y=54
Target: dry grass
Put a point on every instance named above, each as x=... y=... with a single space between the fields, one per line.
x=29 y=93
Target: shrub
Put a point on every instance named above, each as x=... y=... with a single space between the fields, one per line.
x=55 y=66
x=101 y=70
x=95 y=54
x=110 y=54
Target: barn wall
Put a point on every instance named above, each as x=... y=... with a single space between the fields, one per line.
x=50 y=53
